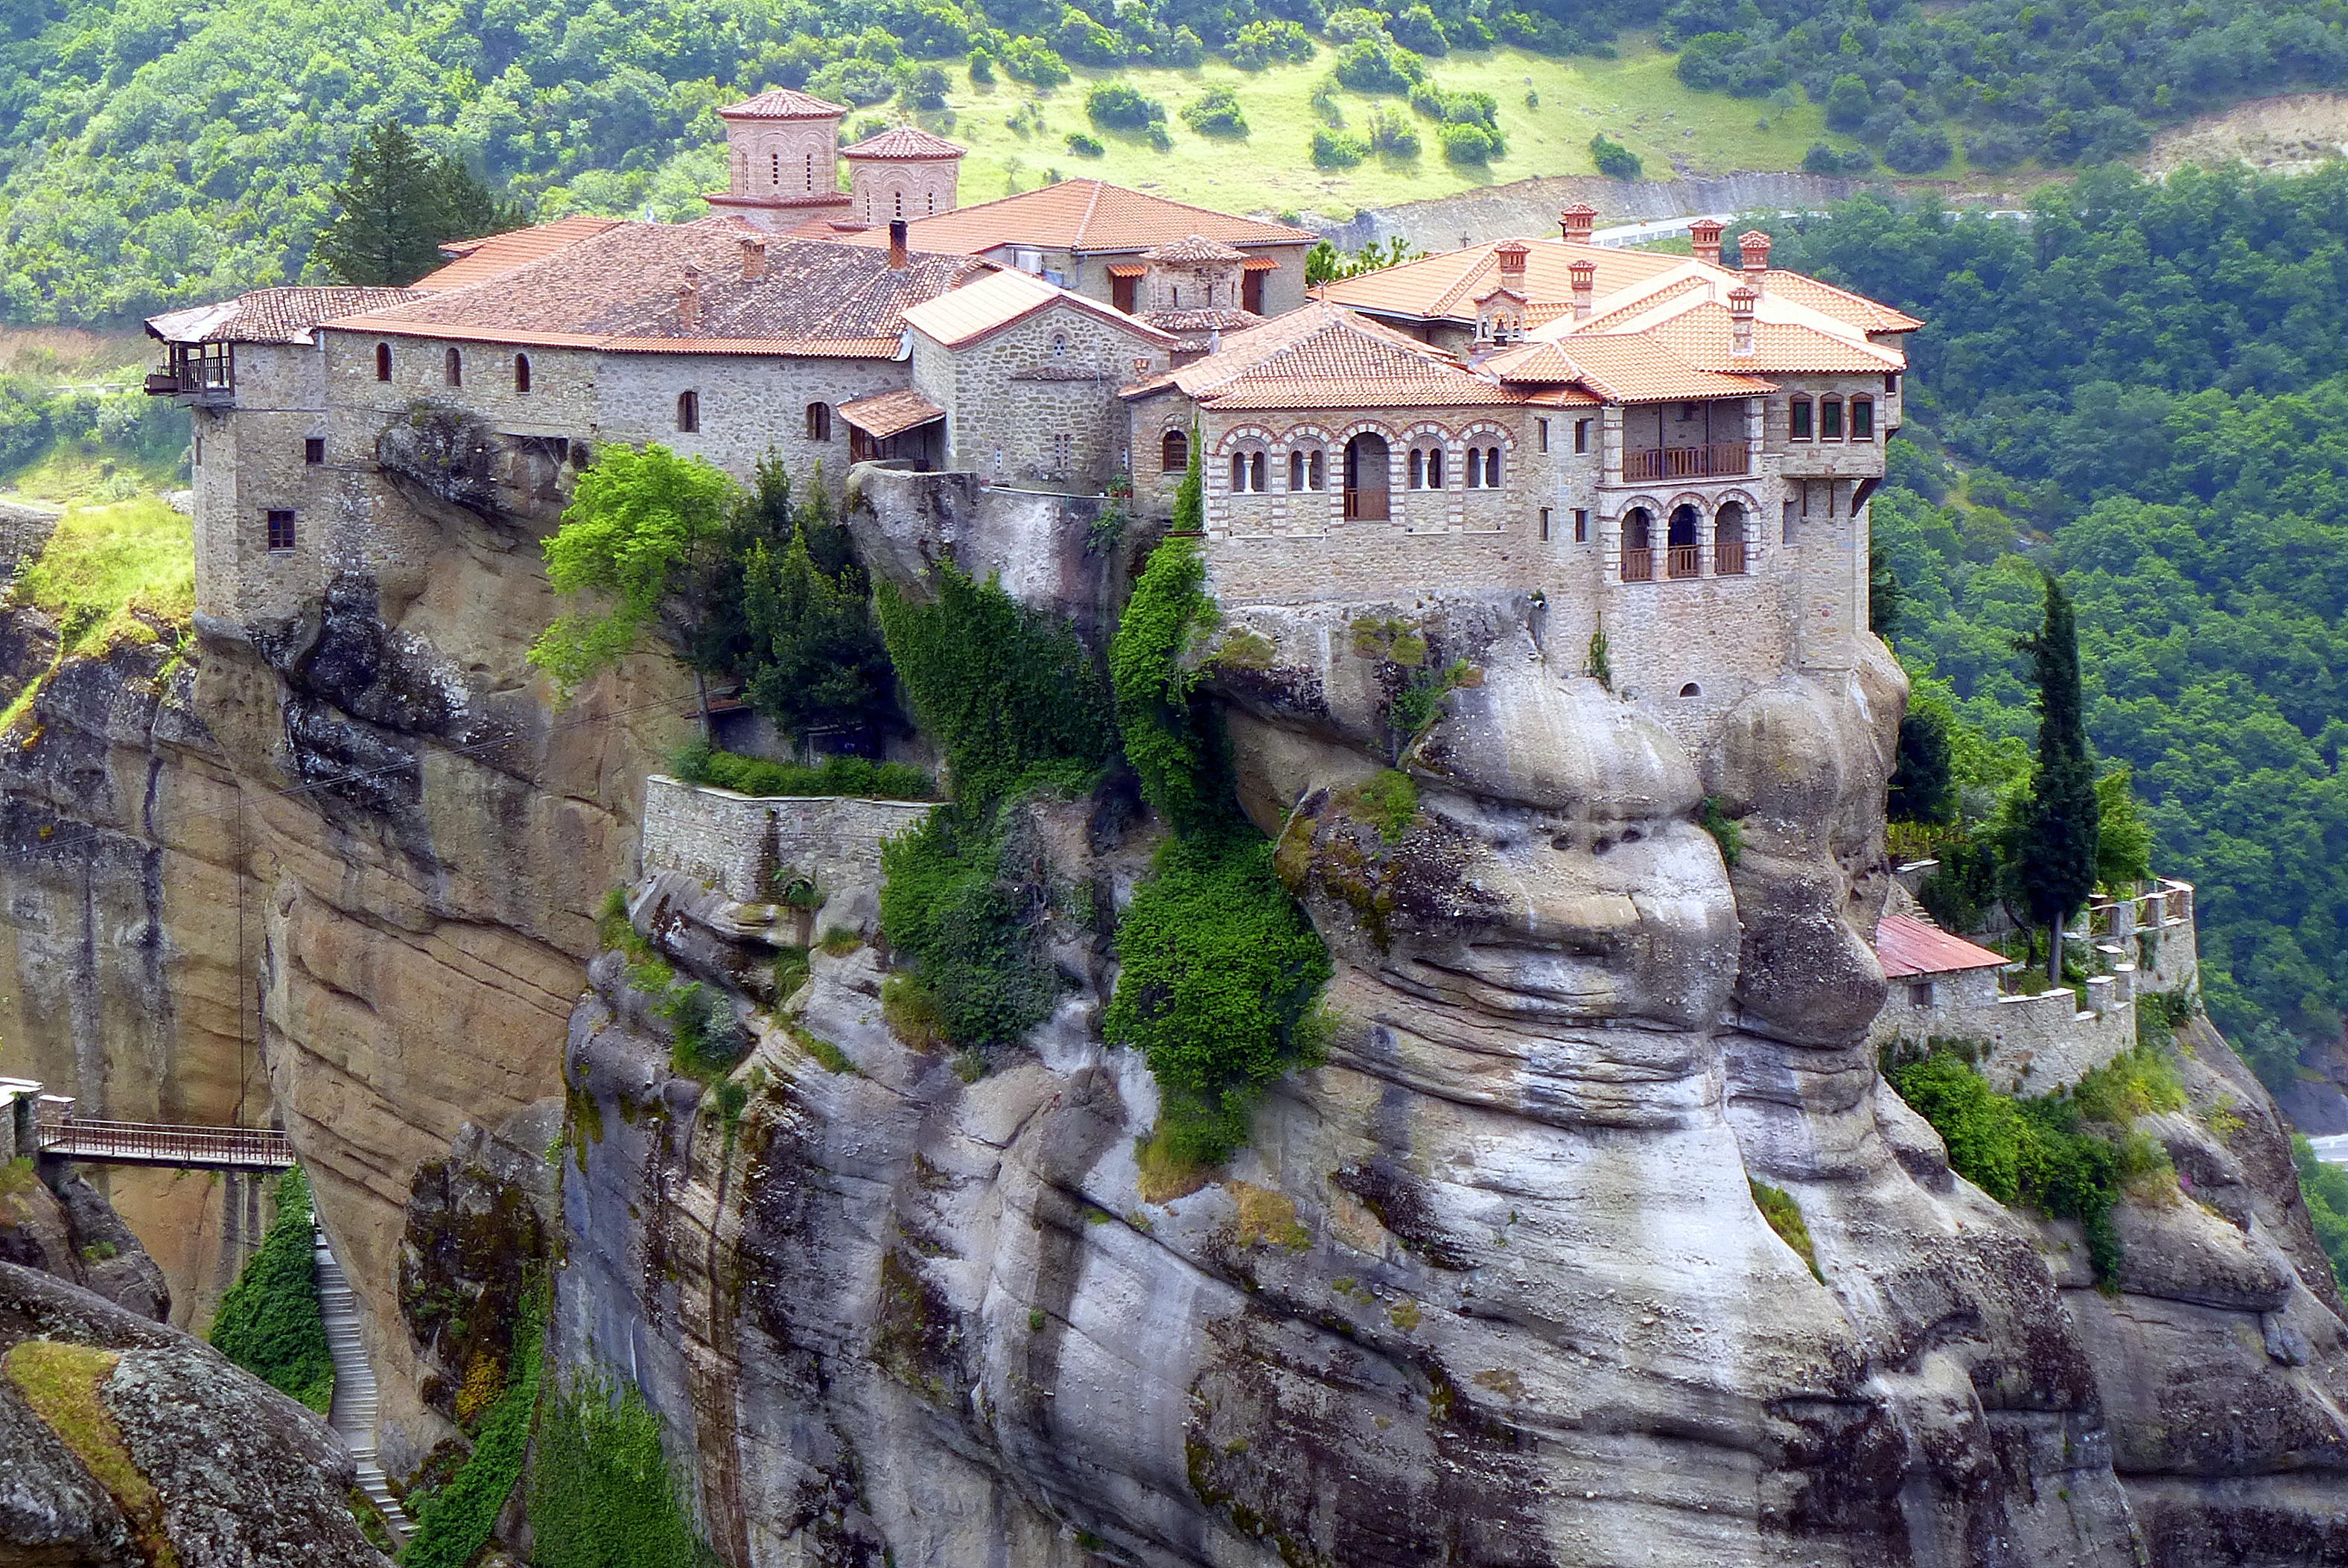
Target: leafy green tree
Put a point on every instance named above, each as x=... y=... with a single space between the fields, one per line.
x=1848 y=102
x=635 y=525
x=2123 y=838
x=816 y=656
x=1923 y=782
x=1614 y=160
x=2054 y=860
x=398 y=204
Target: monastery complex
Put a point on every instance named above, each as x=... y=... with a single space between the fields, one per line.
x=1676 y=449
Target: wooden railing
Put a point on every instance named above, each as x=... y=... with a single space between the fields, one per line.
x=1718 y=459
x=1728 y=559
x=1367 y=506
x=1638 y=565
x=1684 y=561
x=158 y=1143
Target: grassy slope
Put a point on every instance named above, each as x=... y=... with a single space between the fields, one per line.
x=1637 y=99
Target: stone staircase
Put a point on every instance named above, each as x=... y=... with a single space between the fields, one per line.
x=353 y=1415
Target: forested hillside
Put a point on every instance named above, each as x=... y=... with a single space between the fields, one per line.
x=2145 y=390
x=155 y=154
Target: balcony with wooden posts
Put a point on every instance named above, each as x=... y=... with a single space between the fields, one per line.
x=201 y=372
x=1711 y=460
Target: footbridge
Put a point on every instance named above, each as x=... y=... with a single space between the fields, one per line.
x=47 y=1126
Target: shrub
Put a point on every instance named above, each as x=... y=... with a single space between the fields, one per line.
x=1221 y=974
x=1260 y=44
x=2325 y=1190
x=1081 y=39
x=1356 y=24
x=1784 y=1217
x=981 y=67
x=1122 y=107
x=1392 y=135
x=1470 y=144
x=1215 y=112
x=967 y=911
x=1614 y=160
x=1848 y=102
x=1917 y=149
x=1034 y=62
x=922 y=88
x=1457 y=107
x=1417 y=29
x=269 y=1322
x=1170 y=735
x=695 y=763
x=1336 y=149
x=1085 y=146
x=1995 y=150
x=1824 y=159
x=705 y=1040
x=1368 y=66
x=855 y=82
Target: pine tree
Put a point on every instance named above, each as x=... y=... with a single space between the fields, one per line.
x=2055 y=848
x=397 y=206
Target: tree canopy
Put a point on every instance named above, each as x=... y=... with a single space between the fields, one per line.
x=397 y=205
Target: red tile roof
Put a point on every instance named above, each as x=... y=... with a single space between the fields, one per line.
x=1625 y=367
x=1909 y=947
x=271 y=315
x=1194 y=247
x=1442 y=286
x=1702 y=335
x=1855 y=309
x=618 y=289
x=991 y=302
x=888 y=414
x=905 y=143
x=495 y=253
x=782 y=103
x=1084 y=215
x=1324 y=357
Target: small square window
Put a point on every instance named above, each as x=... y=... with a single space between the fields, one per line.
x=1582 y=525
x=1830 y=419
x=1919 y=993
x=313 y=449
x=281 y=531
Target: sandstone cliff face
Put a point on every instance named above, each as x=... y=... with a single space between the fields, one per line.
x=122 y=982
x=430 y=841
x=1491 y=1285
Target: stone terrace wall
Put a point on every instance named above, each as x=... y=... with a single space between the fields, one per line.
x=736 y=843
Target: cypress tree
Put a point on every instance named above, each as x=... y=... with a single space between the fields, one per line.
x=2054 y=864
x=395 y=207
x=1923 y=784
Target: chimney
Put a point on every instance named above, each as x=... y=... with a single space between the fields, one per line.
x=1577 y=222
x=1754 y=246
x=1584 y=275
x=754 y=260
x=1740 y=319
x=1704 y=235
x=898 y=259
x=1511 y=255
x=688 y=301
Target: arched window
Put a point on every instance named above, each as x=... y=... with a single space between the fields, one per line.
x=818 y=421
x=1728 y=541
x=1317 y=472
x=453 y=367
x=1797 y=420
x=521 y=373
x=1417 y=480
x=1174 y=452
x=1862 y=419
x=1366 y=457
x=1491 y=468
x=688 y=412
x=1255 y=472
x=1691 y=689
x=1474 y=467
x=1685 y=555
x=1307 y=470
x=1638 y=546
x=1296 y=470
x=1060 y=346
x=1248 y=473
x=383 y=362
x=1829 y=418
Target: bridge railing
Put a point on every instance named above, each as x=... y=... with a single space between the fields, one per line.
x=60 y=1132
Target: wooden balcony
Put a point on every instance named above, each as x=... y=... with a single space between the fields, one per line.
x=1638 y=565
x=1684 y=560
x=1369 y=506
x=203 y=371
x=1717 y=460
x=1728 y=559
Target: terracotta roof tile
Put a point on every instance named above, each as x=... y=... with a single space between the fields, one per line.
x=1907 y=946
x=1084 y=215
x=495 y=253
x=271 y=315
x=782 y=103
x=997 y=300
x=1441 y=287
x=1325 y=357
x=1703 y=337
x=1625 y=367
x=905 y=143
x=889 y=414
x=618 y=289
x=1857 y=309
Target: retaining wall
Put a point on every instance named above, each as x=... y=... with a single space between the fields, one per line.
x=737 y=844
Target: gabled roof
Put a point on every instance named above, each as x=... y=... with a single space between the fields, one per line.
x=1866 y=314
x=1627 y=367
x=1907 y=947
x=494 y=253
x=1083 y=215
x=1000 y=299
x=1194 y=247
x=1324 y=357
x=269 y=315
x=1704 y=334
x=618 y=289
x=782 y=103
x=1442 y=287
x=887 y=414
x=906 y=144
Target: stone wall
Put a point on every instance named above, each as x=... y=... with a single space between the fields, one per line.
x=737 y=844
x=1034 y=404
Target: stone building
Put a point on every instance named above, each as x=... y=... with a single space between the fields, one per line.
x=902 y=173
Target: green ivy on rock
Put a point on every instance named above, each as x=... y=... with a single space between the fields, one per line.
x=269 y=1322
